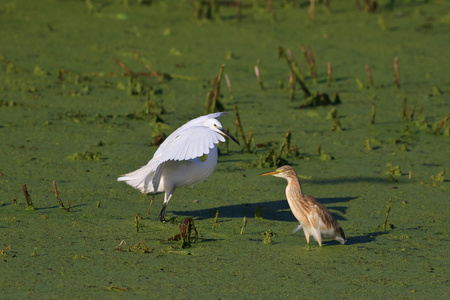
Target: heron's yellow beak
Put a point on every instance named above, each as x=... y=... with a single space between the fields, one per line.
x=271 y=173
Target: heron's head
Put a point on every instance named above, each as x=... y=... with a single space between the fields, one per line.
x=215 y=125
x=283 y=172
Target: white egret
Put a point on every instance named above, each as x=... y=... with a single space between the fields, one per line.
x=176 y=163
x=314 y=218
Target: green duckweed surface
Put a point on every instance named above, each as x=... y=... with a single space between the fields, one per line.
x=70 y=113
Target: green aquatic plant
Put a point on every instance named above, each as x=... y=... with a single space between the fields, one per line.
x=368 y=145
x=440 y=177
x=438 y=125
x=268 y=237
x=393 y=172
x=86 y=155
x=188 y=233
x=321 y=99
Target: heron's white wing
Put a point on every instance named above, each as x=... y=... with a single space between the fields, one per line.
x=190 y=143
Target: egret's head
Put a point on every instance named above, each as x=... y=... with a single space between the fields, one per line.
x=215 y=125
x=283 y=172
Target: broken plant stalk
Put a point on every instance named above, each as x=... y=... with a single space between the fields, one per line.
x=27 y=196
x=258 y=76
x=55 y=189
x=294 y=71
x=388 y=209
x=369 y=75
x=239 y=125
x=396 y=72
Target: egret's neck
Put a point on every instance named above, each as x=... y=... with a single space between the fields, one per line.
x=213 y=154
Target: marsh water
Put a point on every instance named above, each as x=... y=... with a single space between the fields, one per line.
x=89 y=87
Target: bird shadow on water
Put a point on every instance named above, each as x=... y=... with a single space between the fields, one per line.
x=365 y=238
x=272 y=210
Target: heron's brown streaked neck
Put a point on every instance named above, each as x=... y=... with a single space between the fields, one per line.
x=294 y=183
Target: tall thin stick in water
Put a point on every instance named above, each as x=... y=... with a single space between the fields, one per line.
x=55 y=189
x=239 y=125
x=329 y=74
x=229 y=86
x=27 y=196
x=372 y=114
x=369 y=75
x=397 y=74
x=388 y=209
x=258 y=76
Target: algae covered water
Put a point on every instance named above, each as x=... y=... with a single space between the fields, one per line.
x=89 y=89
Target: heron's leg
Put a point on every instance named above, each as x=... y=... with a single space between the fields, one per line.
x=306 y=235
x=318 y=237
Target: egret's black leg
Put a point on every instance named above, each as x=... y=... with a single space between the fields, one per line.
x=161 y=214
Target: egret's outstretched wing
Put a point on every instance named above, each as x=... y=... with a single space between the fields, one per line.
x=194 y=142
x=190 y=140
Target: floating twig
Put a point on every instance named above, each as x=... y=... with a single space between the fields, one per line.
x=396 y=72
x=55 y=189
x=258 y=76
x=27 y=197
x=128 y=72
x=140 y=246
x=3 y=251
x=388 y=209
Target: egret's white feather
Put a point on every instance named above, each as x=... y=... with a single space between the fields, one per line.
x=176 y=163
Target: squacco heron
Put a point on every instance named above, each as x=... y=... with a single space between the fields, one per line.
x=314 y=218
